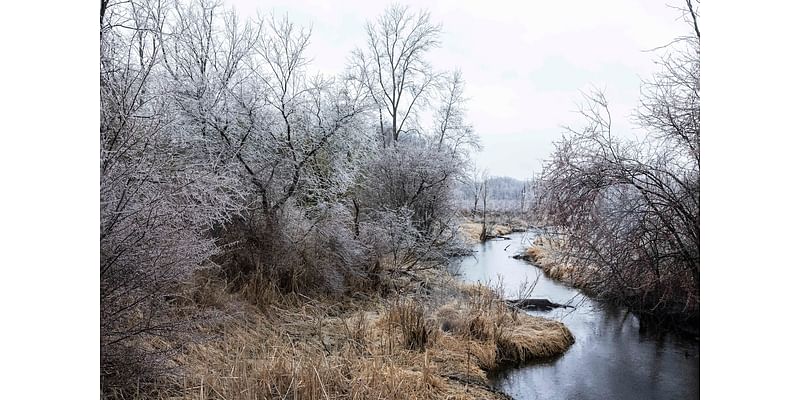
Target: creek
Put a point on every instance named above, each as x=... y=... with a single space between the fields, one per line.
x=612 y=358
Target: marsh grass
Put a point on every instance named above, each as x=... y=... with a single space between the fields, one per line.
x=407 y=345
x=547 y=254
x=471 y=230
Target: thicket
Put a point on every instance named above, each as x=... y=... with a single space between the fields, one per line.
x=221 y=150
x=626 y=212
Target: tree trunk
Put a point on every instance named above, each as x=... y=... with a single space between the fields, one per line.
x=355 y=217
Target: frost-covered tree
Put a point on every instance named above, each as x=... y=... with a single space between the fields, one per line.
x=418 y=165
x=161 y=192
x=452 y=132
x=220 y=150
x=394 y=69
x=312 y=113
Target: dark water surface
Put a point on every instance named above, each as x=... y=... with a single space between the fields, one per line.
x=610 y=359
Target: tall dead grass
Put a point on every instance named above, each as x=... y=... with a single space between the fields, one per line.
x=516 y=337
x=546 y=254
x=471 y=231
x=406 y=346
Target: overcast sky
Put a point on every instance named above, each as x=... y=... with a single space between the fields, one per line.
x=524 y=62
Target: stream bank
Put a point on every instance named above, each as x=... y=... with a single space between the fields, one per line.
x=614 y=355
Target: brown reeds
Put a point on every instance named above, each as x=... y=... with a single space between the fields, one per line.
x=546 y=254
x=407 y=346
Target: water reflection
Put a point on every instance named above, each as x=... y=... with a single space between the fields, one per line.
x=610 y=359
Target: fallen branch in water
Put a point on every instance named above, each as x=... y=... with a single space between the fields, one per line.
x=536 y=304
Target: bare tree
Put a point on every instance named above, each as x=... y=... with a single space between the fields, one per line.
x=452 y=132
x=473 y=181
x=311 y=111
x=419 y=164
x=630 y=210
x=484 y=194
x=393 y=66
x=205 y=55
x=670 y=104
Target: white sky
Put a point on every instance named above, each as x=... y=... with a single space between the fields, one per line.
x=524 y=62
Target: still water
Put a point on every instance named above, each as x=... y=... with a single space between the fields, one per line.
x=610 y=359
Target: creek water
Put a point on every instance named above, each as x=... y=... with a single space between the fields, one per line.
x=611 y=358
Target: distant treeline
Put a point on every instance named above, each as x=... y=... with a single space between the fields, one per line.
x=503 y=194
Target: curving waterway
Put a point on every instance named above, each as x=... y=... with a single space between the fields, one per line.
x=610 y=359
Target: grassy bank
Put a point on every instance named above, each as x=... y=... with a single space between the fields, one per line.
x=546 y=254
x=431 y=337
x=496 y=225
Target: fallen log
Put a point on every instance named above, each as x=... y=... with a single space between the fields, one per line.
x=536 y=304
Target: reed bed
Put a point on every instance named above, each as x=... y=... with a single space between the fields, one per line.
x=409 y=345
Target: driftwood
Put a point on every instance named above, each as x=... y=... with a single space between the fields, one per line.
x=536 y=304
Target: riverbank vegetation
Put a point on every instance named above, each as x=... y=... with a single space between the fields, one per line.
x=623 y=215
x=267 y=231
x=431 y=338
x=547 y=254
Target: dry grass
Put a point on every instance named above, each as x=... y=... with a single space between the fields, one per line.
x=499 y=230
x=408 y=315
x=514 y=336
x=546 y=253
x=407 y=346
x=471 y=231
